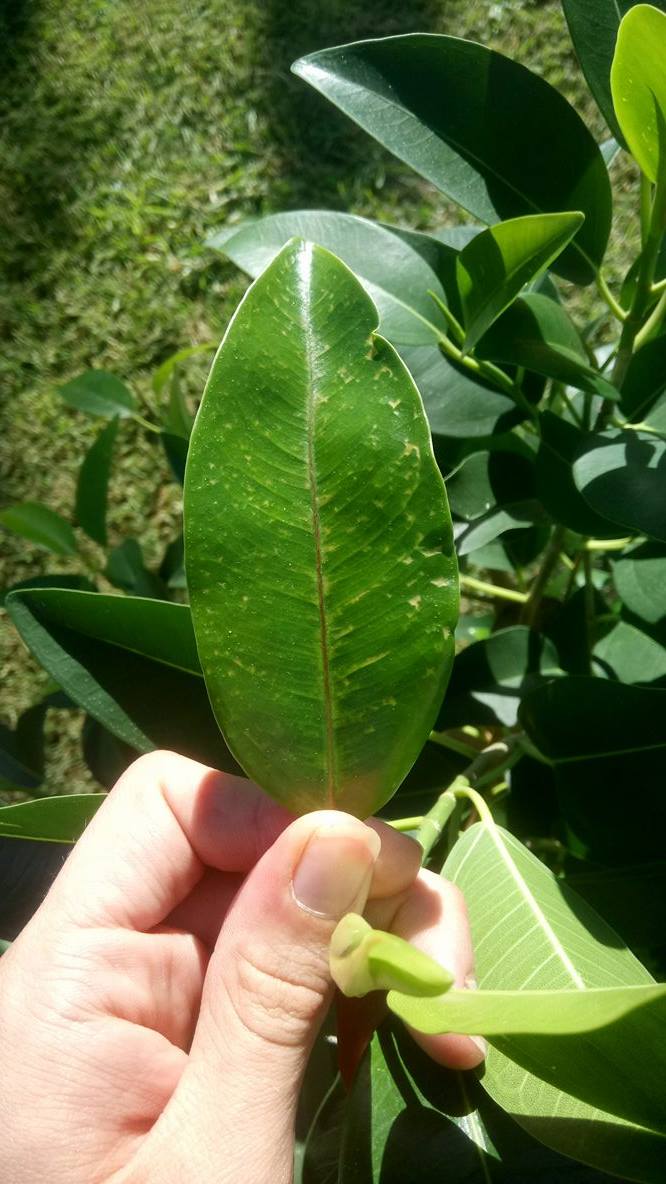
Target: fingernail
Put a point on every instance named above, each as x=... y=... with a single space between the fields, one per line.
x=481 y=1044
x=334 y=872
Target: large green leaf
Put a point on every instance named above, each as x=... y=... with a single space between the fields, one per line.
x=38 y=524
x=396 y=277
x=488 y=479
x=640 y=580
x=630 y=655
x=490 y=677
x=92 y=487
x=456 y=404
x=593 y=25
x=131 y=663
x=645 y=379
x=602 y=1104
x=501 y=260
x=604 y=736
x=406 y=1117
x=498 y=521
x=489 y=133
x=560 y=444
x=573 y=718
x=50 y=820
x=98 y=393
x=622 y=476
x=318 y=543
x=538 y=334
x=638 y=84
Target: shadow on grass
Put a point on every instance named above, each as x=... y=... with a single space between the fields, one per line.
x=325 y=157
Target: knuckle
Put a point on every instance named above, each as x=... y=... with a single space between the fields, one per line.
x=275 y=1000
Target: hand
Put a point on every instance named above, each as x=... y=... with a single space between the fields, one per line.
x=157 y=1012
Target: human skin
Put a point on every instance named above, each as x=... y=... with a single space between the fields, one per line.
x=157 y=1012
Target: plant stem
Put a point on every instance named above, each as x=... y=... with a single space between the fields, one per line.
x=145 y=423
x=454 y=745
x=404 y=824
x=486 y=767
x=453 y=322
x=604 y=291
x=644 y=281
x=589 y=610
x=653 y=322
x=607 y=544
x=492 y=590
x=489 y=371
x=551 y=557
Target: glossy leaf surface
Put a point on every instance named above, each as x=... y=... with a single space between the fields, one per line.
x=630 y=655
x=493 y=136
x=593 y=25
x=318 y=543
x=60 y=819
x=98 y=393
x=490 y=677
x=622 y=475
x=92 y=486
x=601 y=1106
x=538 y=334
x=131 y=663
x=640 y=580
x=40 y=525
x=396 y=277
x=576 y=717
x=645 y=379
x=561 y=442
x=456 y=404
x=638 y=84
x=499 y=261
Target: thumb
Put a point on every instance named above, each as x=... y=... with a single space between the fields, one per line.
x=266 y=992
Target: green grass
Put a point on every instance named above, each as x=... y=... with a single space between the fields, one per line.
x=127 y=132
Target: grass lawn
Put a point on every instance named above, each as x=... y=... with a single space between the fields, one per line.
x=128 y=131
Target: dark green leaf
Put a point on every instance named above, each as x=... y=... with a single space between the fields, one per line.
x=318 y=543
x=126 y=569
x=628 y=654
x=497 y=522
x=490 y=134
x=630 y=898
x=53 y=580
x=561 y=443
x=50 y=820
x=490 y=677
x=41 y=526
x=456 y=404
x=131 y=663
x=538 y=334
x=106 y=756
x=494 y=267
x=593 y=25
x=567 y=627
x=488 y=479
x=175 y=449
x=640 y=579
x=405 y=1117
x=27 y=871
x=622 y=475
x=98 y=393
x=93 y=484
x=645 y=379
x=396 y=277
x=573 y=718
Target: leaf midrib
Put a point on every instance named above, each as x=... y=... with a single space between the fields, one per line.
x=311 y=404
x=541 y=920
